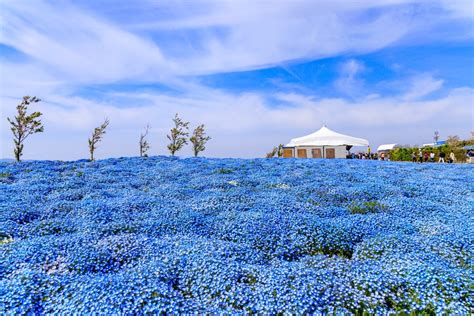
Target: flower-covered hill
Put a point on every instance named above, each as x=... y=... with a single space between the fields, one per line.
x=156 y=235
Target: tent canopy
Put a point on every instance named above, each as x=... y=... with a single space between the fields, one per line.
x=386 y=147
x=327 y=137
x=470 y=147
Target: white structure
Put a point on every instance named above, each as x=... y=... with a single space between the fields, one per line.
x=323 y=143
x=386 y=148
x=439 y=143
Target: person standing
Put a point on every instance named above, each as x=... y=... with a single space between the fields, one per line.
x=432 y=156
x=442 y=155
x=452 y=157
x=426 y=156
x=420 y=156
x=413 y=157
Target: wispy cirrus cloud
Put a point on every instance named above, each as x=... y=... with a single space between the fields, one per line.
x=348 y=83
x=70 y=44
x=422 y=85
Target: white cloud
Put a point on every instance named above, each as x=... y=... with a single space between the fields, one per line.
x=348 y=83
x=69 y=43
x=242 y=125
x=421 y=86
x=462 y=8
x=199 y=37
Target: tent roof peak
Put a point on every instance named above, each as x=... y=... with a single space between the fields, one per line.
x=327 y=137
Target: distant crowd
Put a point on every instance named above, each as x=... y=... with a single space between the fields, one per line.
x=368 y=155
x=430 y=157
x=420 y=157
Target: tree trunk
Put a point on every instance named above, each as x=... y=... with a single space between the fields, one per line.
x=17 y=154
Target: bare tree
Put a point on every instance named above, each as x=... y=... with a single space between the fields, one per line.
x=453 y=141
x=97 y=135
x=144 y=145
x=199 y=139
x=178 y=135
x=24 y=125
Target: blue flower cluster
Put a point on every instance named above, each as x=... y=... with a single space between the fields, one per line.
x=168 y=235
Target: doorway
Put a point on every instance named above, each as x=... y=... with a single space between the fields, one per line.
x=288 y=153
x=316 y=152
x=330 y=153
x=302 y=153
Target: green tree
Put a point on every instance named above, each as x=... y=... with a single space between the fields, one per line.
x=178 y=135
x=24 y=125
x=144 y=145
x=272 y=153
x=199 y=139
x=97 y=135
x=276 y=151
x=280 y=151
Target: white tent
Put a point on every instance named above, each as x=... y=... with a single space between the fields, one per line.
x=387 y=147
x=327 y=137
x=323 y=143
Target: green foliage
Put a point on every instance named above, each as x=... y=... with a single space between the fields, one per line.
x=97 y=135
x=224 y=171
x=367 y=207
x=24 y=125
x=280 y=151
x=144 y=145
x=178 y=135
x=405 y=153
x=276 y=151
x=199 y=139
x=5 y=238
x=272 y=153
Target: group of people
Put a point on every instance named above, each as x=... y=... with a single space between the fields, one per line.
x=369 y=156
x=421 y=156
x=430 y=157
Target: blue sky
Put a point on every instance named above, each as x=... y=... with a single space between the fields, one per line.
x=257 y=73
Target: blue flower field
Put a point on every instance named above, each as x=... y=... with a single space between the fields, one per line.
x=137 y=236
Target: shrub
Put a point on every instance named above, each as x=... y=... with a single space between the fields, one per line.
x=367 y=207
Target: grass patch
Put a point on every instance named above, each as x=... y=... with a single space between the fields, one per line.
x=224 y=171
x=367 y=207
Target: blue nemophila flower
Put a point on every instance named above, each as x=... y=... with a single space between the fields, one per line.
x=163 y=235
